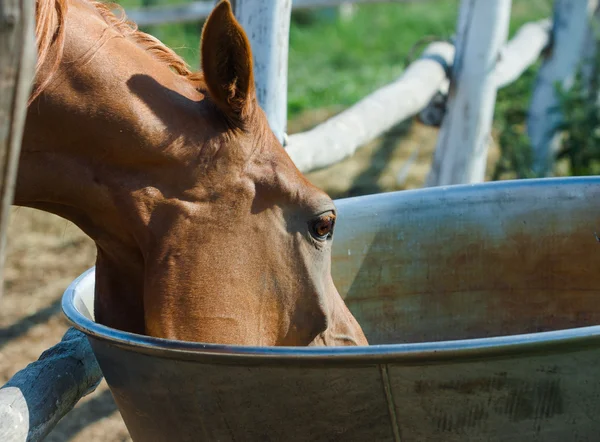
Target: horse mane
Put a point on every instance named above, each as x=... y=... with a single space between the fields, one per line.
x=50 y=35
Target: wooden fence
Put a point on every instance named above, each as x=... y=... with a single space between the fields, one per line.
x=468 y=73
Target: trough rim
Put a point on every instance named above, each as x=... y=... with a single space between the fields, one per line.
x=508 y=346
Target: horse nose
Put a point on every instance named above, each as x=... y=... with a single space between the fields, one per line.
x=340 y=338
x=348 y=333
x=343 y=329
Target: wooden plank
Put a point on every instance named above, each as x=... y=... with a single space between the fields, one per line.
x=38 y=396
x=17 y=66
x=267 y=25
x=462 y=145
x=572 y=25
x=340 y=136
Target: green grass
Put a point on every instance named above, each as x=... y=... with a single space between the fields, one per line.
x=336 y=62
x=333 y=62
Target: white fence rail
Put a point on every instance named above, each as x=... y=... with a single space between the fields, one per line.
x=340 y=136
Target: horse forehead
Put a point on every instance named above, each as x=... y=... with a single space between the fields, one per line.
x=267 y=164
x=282 y=181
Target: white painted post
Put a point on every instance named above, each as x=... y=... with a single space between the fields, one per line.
x=267 y=24
x=571 y=27
x=462 y=145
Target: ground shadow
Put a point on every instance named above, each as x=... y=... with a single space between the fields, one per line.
x=24 y=325
x=97 y=408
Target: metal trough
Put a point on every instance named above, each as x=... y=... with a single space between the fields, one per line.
x=485 y=301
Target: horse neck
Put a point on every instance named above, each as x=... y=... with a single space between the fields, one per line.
x=112 y=118
x=105 y=139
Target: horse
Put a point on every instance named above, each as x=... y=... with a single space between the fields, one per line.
x=205 y=229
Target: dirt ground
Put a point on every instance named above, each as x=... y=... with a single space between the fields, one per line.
x=45 y=253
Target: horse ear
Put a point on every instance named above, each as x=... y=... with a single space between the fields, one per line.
x=227 y=62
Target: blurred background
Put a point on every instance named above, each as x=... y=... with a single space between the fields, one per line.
x=337 y=56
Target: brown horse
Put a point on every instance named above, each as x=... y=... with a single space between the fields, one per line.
x=205 y=229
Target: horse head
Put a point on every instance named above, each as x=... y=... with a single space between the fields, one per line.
x=206 y=230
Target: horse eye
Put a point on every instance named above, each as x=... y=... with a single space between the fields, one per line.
x=321 y=228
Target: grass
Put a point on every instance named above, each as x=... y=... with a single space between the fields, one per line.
x=333 y=62
x=337 y=62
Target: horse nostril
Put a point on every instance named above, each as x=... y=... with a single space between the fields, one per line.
x=321 y=322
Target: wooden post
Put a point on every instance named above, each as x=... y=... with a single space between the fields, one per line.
x=267 y=24
x=17 y=66
x=462 y=145
x=38 y=396
x=570 y=32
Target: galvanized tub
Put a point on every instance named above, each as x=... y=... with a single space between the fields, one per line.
x=484 y=301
